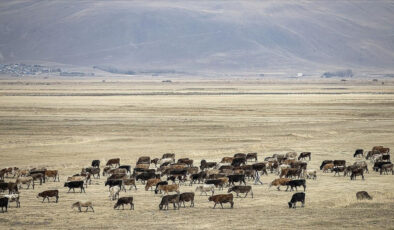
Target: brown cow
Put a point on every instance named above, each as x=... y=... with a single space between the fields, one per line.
x=49 y=193
x=144 y=160
x=186 y=197
x=241 y=189
x=169 y=188
x=279 y=182
x=251 y=156
x=222 y=198
x=227 y=160
x=52 y=173
x=151 y=182
x=113 y=161
x=327 y=167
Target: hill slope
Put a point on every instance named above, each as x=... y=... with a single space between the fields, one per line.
x=203 y=34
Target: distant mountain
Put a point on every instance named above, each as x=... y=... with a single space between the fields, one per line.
x=195 y=35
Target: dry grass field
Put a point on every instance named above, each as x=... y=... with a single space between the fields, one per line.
x=64 y=124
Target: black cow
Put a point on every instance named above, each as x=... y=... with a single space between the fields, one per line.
x=204 y=164
x=295 y=184
x=238 y=161
x=197 y=177
x=178 y=173
x=358 y=152
x=112 y=183
x=260 y=167
x=216 y=182
x=96 y=163
x=378 y=165
x=297 y=197
x=124 y=200
x=324 y=163
x=73 y=185
x=385 y=157
x=33 y=172
x=169 y=199
x=146 y=176
x=357 y=172
x=338 y=170
x=158 y=184
x=4 y=203
x=339 y=163
x=3 y=186
x=304 y=155
x=127 y=167
x=236 y=178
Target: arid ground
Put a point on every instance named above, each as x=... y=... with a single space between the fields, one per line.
x=66 y=123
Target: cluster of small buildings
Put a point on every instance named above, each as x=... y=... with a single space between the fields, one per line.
x=18 y=70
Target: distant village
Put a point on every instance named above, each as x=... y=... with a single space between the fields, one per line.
x=20 y=70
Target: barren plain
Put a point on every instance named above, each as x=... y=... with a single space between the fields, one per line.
x=64 y=124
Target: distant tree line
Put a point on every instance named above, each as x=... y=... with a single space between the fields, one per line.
x=340 y=73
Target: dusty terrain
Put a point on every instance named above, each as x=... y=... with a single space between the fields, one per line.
x=64 y=124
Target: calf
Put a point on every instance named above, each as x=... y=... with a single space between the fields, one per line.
x=174 y=199
x=295 y=184
x=358 y=152
x=362 y=195
x=114 y=192
x=236 y=178
x=297 y=197
x=241 y=189
x=73 y=185
x=222 y=198
x=4 y=203
x=304 y=155
x=311 y=174
x=114 y=161
x=96 y=163
x=49 y=193
x=205 y=188
x=124 y=200
x=186 y=197
x=13 y=198
x=279 y=182
x=357 y=172
x=83 y=204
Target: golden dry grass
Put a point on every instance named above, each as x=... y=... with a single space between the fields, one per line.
x=64 y=124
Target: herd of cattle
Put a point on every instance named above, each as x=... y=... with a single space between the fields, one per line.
x=166 y=176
